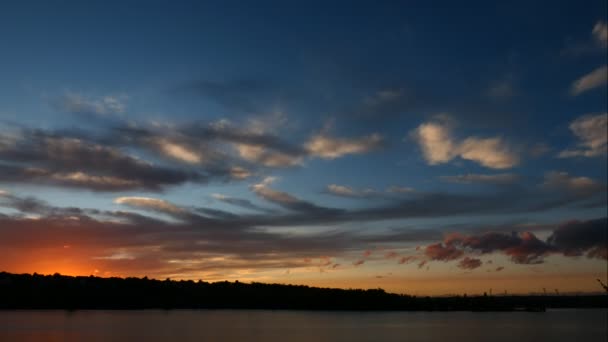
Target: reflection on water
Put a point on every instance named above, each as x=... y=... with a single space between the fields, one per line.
x=252 y=325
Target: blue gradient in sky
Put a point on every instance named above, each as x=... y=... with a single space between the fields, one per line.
x=493 y=69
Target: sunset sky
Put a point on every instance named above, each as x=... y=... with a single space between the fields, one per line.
x=423 y=147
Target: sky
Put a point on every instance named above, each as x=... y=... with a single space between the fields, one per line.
x=423 y=147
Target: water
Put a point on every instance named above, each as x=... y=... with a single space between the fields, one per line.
x=293 y=326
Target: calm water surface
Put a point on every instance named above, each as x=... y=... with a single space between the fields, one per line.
x=292 y=326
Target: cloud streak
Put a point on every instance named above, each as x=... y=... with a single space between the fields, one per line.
x=592 y=80
x=591 y=133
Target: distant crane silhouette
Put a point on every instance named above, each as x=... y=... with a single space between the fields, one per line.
x=603 y=285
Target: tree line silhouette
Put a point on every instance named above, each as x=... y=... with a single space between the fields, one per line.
x=26 y=291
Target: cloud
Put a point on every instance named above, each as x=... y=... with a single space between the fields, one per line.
x=436 y=143
x=555 y=193
x=258 y=154
x=205 y=239
x=349 y=192
x=79 y=104
x=572 y=238
x=150 y=204
x=385 y=96
x=556 y=180
x=359 y=262
x=221 y=143
x=27 y=205
x=114 y=158
x=262 y=189
x=41 y=157
x=326 y=147
x=81 y=179
x=239 y=202
x=345 y=191
x=407 y=259
x=178 y=152
x=439 y=147
x=594 y=79
x=592 y=135
x=600 y=33
x=491 y=152
x=469 y=263
x=596 y=43
x=340 y=190
x=238 y=172
x=286 y=200
x=443 y=252
x=391 y=255
x=501 y=178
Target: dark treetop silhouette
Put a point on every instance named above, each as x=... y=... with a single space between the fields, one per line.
x=25 y=291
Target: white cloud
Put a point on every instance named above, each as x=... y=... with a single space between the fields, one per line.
x=269 y=158
x=219 y=196
x=439 y=147
x=341 y=190
x=489 y=152
x=594 y=79
x=591 y=130
x=436 y=142
x=501 y=178
x=179 y=152
x=238 y=172
x=346 y=191
x=81 y=178
x=327 y=147
x=261 y=189
x=150 y=203
x=600 y=32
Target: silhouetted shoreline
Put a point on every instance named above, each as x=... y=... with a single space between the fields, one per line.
x=25 y=291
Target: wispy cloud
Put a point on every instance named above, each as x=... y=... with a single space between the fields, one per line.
x=327 y=147
x=592 y=80
x=178 y=152
x=79 y=104
x=592 y=135
x=346 y=191
x=42 y=157
x=350 y=192
x=563 y=181
x=600 y=33
x=500 y=178
x=154 y=204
